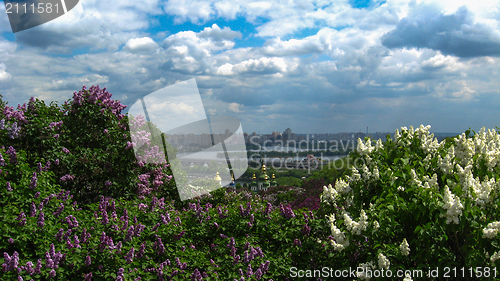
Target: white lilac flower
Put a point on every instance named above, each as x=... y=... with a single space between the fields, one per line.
x=383 y=262
x=363 y=273
x=464 y=150
x=407 y=277
x=495 y=257
x=447 y=163
x=376 y=225
x=430 y=182
x=329 y=194
x=404 y=247
x=356 y=176
x=452 y=205
x=340 y=241
x=414 y=178
x=379 y=145
x=342 y=186
x=356 y=227
x=491 y=230
x=366 y=173
x=376 y=174
x=365 y=148
x=400 y=188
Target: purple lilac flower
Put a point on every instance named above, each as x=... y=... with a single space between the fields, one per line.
x=143 y=206
x=47 y=166
x=41 y=220
x=236 y=259
x=179 y=236
x=155 y=228
x=85 y=236
x=12 y=154
x=248 y=257
x=118 y=247
x=249 y=270
x=52 y=273
x=88 y=276
x=65 y=150
x=130 y=255
x=130 y=233
x=129 y=145
x=287 y=212
x=105 y=219
x=14 y=131
x=297 y=242
x=11 y=241
x=22 y=218
x=125 y=216
x=119 y=274
x=44 y=202
x=33 y=181
x=56 y=136
x=37 y=194
x=88 y=261
x=59 y=235
x=140 y=228
x=29 y=268
x=9 y=188
x=159 y=245
x=59 y=210
x=232 y=243
x=164 y=219
x=247 y=211
x=140 y=254
x=196 y=275
x=2 y=161
x=49 y=263
x=258 y=274
x=38 y=267
x=67 y=234
x=67 y=177
x=56 y=162
x=69 y=244
x=77 y=241
x=306 y=230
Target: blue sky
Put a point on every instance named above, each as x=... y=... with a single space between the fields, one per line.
x=314 y=66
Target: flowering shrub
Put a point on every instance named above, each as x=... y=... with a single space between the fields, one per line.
x=416 y=203
x=81 y=141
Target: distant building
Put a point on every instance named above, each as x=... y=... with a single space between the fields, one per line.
x=263 y=182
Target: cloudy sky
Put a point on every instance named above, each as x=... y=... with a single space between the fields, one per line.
x=314 y=66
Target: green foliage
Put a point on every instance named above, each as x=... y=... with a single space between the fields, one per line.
x=289 y=181
x=334 y=170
